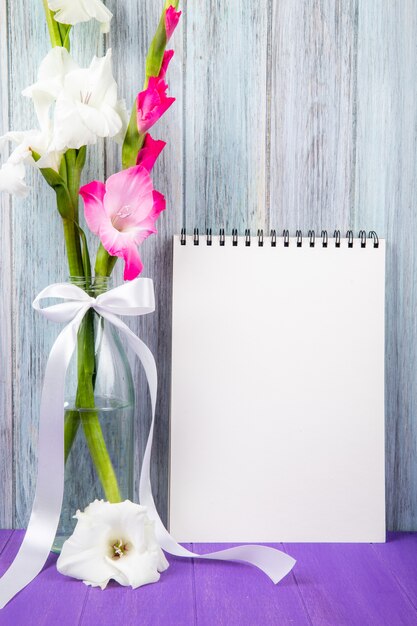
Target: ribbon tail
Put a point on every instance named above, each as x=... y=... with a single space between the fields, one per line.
x=44 y=519
x=274 y=563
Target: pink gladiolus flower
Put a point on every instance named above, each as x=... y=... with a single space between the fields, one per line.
x=150 y=151
x=152 y=103
x=168 y=54
x=171 y=20
x=122 y=213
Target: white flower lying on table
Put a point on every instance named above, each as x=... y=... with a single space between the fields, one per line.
x=113 y=541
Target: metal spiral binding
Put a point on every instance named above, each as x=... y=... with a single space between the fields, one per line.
x=374 y=236
x=362 y=236
x=260 y=238
x=349 y=237
x=286 y=235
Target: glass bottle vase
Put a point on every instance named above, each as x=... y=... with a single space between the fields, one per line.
x=99 y=413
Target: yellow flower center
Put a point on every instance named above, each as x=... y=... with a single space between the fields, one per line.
x=118 y=548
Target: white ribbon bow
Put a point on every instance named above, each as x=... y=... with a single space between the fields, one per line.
x=131 y=298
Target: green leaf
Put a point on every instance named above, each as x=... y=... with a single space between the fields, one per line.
x=80 y=158
x=64 y=30
x=59 y=185
x=85 y=253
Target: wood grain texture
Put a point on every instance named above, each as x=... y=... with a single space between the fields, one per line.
x=347 y=584
x=288 y=114
x=170 y=602
x=312 y=114
x=398 y=556
x=6 y=311
x=386 y=199
x=43 y=603
x=224 y=594
x=225 y=114
x=330 y=585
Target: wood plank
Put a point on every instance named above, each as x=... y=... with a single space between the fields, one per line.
x=6 y=312
x=225 y=113
x=312 y=114
x=135 y=28
x=235 y=593
x=48 y=599
x=386 y=198
x=170 y=601
x=345 y=584
x=399 y=557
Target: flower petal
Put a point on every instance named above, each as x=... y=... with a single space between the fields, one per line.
x=113 y=240
x=150 y=151
x=131 y=188
x=103 y=122
x=69 y=128
x=171 y=20
x=133 y=264
x=52 y=71
x=122 y=112
x=147 y=226
x=12 y=179
x=152 y=103
x=94 y=212
x=76 y=11
x=168 y=54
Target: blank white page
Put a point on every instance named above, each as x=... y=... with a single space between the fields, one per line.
x=277 y=415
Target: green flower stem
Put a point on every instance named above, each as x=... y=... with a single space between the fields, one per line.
x=104 y=262
x=58 y=33
x=73 y=247
x=71 y=425
x=89 y=419
x=53 y=28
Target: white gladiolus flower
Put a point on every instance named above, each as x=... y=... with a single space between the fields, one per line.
x=52 y=71
x=75 y=11
x=86 y=104
x=113 y=541
x=12 y=173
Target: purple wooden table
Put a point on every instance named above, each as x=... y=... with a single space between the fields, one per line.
x=331 y=584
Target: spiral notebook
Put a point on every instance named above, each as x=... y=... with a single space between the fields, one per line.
x=277 y=414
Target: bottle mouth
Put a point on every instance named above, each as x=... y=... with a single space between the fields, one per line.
x=94 y=286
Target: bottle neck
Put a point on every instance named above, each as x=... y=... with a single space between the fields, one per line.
x=94 y=286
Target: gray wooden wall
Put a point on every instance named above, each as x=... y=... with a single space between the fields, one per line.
x=289 y=113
